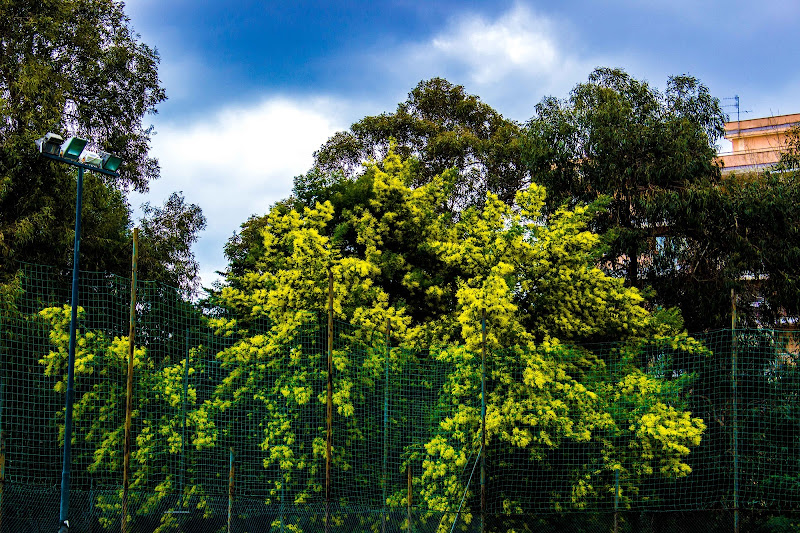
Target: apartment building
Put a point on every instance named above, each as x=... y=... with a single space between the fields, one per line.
x=756 y=143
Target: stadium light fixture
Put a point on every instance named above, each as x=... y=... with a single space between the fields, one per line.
x=71 y=152
x=91 y=158
x=72 y=148
x=110 y=161
x=50 y=143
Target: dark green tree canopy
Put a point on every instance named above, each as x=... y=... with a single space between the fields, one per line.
x=167 y=236
x=443 y=127
x=439 y=126
x=618 y=138
x=76 y=67
x=673 y=223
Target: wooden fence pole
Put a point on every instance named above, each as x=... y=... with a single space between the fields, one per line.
x=483 y=421
x=129 y=395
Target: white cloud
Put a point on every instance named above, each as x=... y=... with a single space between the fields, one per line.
x=238 y=162
x=511 y=60
x=518 y=41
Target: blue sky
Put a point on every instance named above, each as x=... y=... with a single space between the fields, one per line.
x=255 y=87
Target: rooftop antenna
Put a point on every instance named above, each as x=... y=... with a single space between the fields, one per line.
x=739 y=111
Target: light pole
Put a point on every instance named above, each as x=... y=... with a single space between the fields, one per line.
x=72 y=153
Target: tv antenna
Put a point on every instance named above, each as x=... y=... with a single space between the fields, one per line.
x=739 y=111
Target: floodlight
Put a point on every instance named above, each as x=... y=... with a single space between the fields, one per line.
x=72 y=153
x=72 y=148
x=110 y=161
x=90 y=158
x=50 y=143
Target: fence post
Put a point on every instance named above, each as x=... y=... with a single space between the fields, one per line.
x=69 y=397
x=410 y=495
x=329 y=404
x=385 y=475
x=483 y=420
x=230 y=491
x=2 y=448
x=182 y=474
x=616 y=500
x=734 y=379
x=2 y=433
x=129 y=395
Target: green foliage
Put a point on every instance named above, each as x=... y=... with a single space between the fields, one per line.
x=618 y=137
x=542 y=294
x=77 y=67
x=673 y=224
x=739 y=234
x=101 y=364
x=441 y=126
x=167 y=234
x=39 y=228
x=440 y=129
x=743 y=237
x=790 y=157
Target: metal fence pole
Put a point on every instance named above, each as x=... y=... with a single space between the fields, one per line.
x=283 y=497
x=2 y=450
x=410 y=495
x=329 y=405
x=734 y=379
x=385 y=474
x=616 y=500
x=2 y=420
x=230 y=491
x=182 y=472
x=69 y=397
x=129 y=395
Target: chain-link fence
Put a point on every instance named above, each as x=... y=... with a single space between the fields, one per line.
x=231 y=429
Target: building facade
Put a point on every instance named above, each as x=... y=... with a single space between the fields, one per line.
x=756 y=143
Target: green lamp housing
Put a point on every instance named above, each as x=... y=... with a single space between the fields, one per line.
x=72 y=148
x=110 y=161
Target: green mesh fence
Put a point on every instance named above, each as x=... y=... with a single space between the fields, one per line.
x=230 y=429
